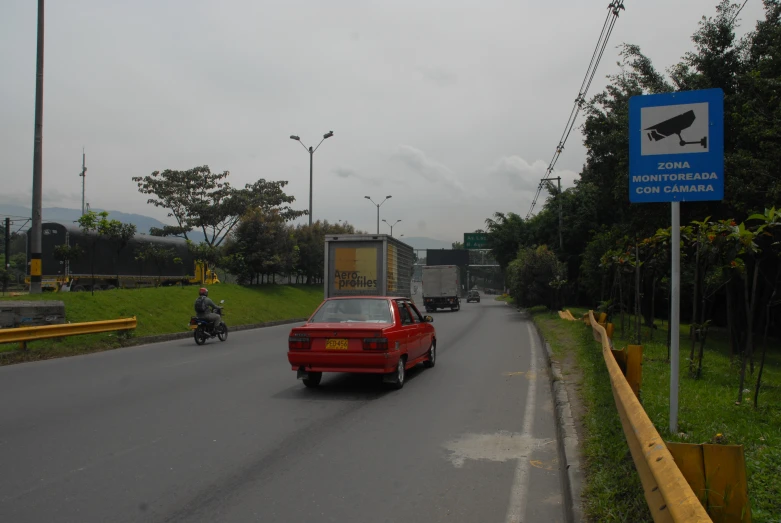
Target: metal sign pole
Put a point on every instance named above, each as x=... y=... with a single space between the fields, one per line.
x=675 y=320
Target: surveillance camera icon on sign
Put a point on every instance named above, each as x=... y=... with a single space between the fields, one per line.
x=675 y=126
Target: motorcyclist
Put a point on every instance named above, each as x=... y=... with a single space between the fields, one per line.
x=205 y=307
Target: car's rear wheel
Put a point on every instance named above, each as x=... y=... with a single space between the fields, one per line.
x=400 y=375
x=313 y=379
x=432 y=356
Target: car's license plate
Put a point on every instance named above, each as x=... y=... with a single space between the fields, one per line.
x=336 y=344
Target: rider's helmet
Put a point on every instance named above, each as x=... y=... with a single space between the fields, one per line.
x=203 y=292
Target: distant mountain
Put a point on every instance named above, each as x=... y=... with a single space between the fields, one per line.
x=418 y=242
x=60 y=214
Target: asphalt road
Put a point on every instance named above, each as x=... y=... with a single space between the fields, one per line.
x=224 y=433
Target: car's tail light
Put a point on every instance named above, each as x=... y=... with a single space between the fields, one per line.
x=375 y=343
x=299 y=341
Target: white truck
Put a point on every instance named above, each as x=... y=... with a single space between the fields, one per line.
x=441 y=287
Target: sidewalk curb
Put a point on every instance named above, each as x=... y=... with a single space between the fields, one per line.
x=567 y=437
x=149 y=340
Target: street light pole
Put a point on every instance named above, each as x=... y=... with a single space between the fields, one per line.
x=311 y=152
x=378 y=210
x=391 y=226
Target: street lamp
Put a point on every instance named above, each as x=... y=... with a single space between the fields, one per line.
x=378 y=209
x=390 y=225
x=311 y=156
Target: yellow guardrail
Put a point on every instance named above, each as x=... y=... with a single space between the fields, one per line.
x=24 y=334
x=668 y=494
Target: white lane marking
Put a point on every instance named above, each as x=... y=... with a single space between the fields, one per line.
x=517 y=508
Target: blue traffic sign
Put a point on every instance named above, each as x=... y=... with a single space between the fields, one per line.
x=676 y=147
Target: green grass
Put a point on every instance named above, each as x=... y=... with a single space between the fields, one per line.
x=504 y=298
x=708 y=407
x=164 y=310
x=612 y=490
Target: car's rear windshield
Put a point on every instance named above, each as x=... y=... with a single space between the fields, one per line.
x=354 y=310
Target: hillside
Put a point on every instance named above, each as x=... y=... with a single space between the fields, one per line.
x=61 y=214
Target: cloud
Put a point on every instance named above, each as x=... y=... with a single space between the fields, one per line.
x=345 y=172
x=438 y=76
x=429 y=169
x=349 y=172
x=524 y=176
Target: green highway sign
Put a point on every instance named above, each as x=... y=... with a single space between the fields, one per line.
x=475 y=240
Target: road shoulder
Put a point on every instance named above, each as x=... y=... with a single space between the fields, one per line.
x=568 y=408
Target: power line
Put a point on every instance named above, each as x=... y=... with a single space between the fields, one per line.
x=614 y=9
x=739 y=10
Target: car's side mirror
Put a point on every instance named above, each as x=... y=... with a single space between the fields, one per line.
x=428 y=319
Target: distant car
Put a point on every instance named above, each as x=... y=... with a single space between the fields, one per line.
x=368 y=335
x=473 y=296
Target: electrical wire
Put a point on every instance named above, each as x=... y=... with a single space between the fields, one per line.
x=739 y=10
x=614 y=9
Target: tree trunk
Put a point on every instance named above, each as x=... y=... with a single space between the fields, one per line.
x=653 y=307
x=621 y=298
x=730 y=323
x=638 y=308
x=750 y=301
x=692 y=329
x=764 y=338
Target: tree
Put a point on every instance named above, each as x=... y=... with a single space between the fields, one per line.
x=68 y=253
x=505 y=235
x=160 y=256
x=119 y=235
x=200 y=199
x=535 y=276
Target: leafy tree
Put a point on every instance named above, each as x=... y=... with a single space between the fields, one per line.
x=200 y=199
x=505 y=235
x=160 y=256
x=534 y=276
x=68 y=253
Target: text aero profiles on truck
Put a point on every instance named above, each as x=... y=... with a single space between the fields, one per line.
x=115 y=266
x=441 y=287
x=367 y=265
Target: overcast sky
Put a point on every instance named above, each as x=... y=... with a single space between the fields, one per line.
x=452 y=107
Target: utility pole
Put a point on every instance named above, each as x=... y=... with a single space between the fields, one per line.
x=7 y=253
x=37 y=219
x=561 y=237
x=83 y=178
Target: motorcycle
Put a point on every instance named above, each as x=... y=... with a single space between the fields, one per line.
x=204 y=329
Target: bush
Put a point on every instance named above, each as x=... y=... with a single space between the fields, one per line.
x=535 y=277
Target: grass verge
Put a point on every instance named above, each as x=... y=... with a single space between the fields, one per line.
x=707 y=407
x=163 y=310
x=612 y=491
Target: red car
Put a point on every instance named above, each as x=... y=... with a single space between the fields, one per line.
x=367 y=334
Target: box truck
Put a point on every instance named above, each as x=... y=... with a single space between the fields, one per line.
x=367 y=265
x=441 y=287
